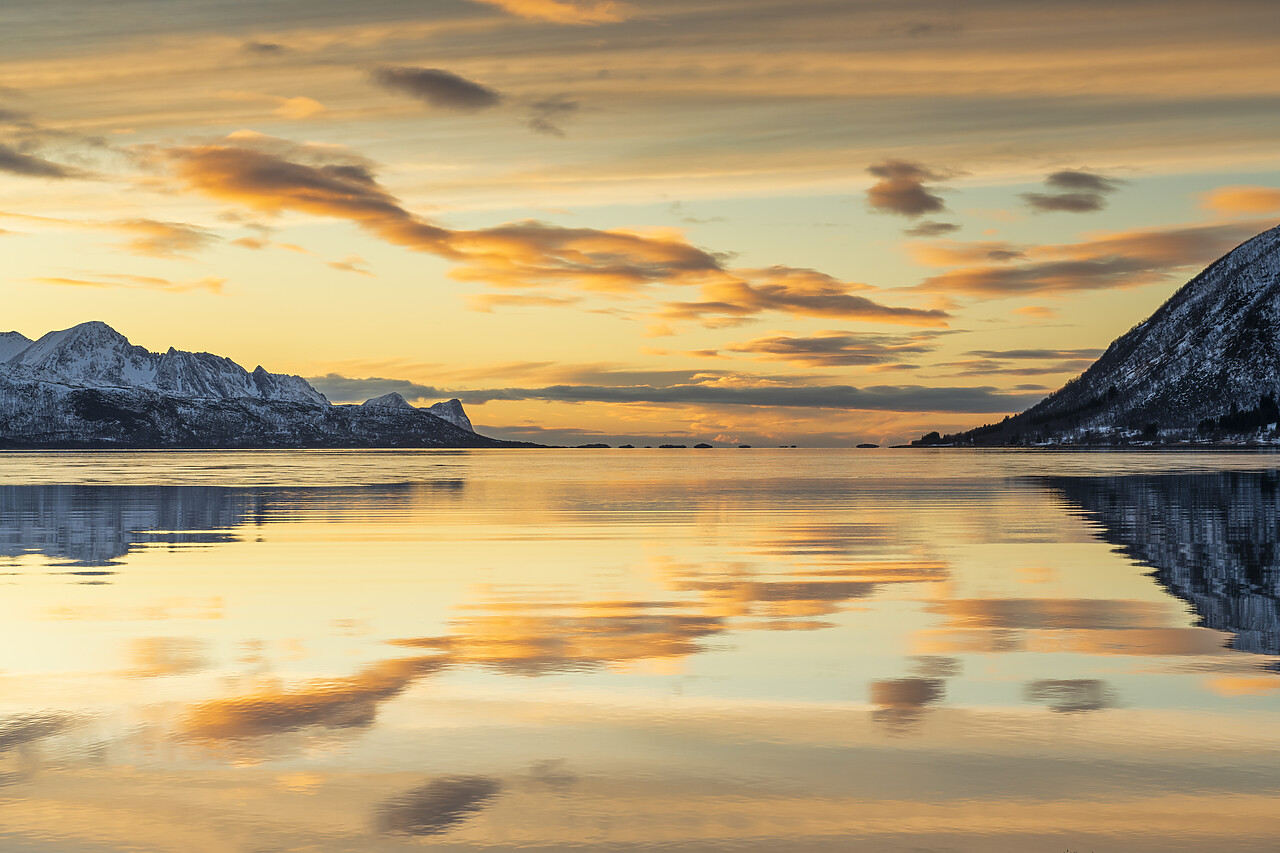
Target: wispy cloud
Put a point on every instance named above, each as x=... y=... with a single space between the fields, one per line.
x=1119 y=259
x=213 y=284
x=487 y=302
x=835 y=349
x=546 y=115
x=1073 y=191
x=794 y=291
x=931 y=228
x=438 y=88
x=158 y=239
x=892 y=398
x=565 y=11
x=15 y=162
x=1242 y=200
x=273 y=175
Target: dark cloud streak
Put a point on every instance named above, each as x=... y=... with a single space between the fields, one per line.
x=16 y=163
x=441 y=89
x=1075 y=191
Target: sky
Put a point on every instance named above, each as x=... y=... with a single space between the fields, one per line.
x=813 y=222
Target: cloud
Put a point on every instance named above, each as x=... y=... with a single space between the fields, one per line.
x=351 y=263
x=950 y=254
x=299 y=108
x=565 y=11
x=295 y=108
x=917 y=29
x=213 y=284
x=1076 y=191
x=984 y=367
x=1242 y=200
x=274 y=175
x=546 y=115
x=1037 y=312
x=486 y=302
x=1120 y=259
x=164 y=239
x=892 y=398
x=264 y=48
x=337 y=387
x=1090 y=353
x=901 y=189
x=795 y=291
x=437 y=806
x=831 y=349
x=16 y=163
x=441 y=89
x=931 y=228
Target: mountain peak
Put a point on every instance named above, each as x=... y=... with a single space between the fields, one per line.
x=1211 y=351
x=390 y=401
x=94 y=355
x=452 y=411
x=12 y=343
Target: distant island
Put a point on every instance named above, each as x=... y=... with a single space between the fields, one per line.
x=88 y=387
x=1204 y=368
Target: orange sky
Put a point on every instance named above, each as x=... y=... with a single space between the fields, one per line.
x=806 y=222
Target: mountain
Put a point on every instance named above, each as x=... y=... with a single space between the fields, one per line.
x=94 y=355
x=87 y=386
x=1205 y=365
x=451 y=411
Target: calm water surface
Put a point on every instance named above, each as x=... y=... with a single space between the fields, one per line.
x=764 y=650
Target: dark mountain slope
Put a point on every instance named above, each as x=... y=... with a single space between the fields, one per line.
x=1207 y=360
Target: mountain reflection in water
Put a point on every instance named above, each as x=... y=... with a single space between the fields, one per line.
x=786 y=651
x=1213 y=541
x=94 y=526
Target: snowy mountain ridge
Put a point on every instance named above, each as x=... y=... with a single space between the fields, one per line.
x=88 y=386
x=94 y=355
x=1205 y=364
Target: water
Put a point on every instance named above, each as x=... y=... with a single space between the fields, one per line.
x=764 y=650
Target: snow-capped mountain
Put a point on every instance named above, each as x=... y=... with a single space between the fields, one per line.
x=389 y=401
x=451 y=411
x=94 y=355
x=1206 y=361
x=87 y=386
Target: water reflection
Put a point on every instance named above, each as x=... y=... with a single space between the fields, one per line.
x=1072 y=694
x=88 y=526
x=349 y=702
x=1213 y=541
x=437 y=806
x=512 y=662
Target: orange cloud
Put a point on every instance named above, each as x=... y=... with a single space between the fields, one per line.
x=795 y=291
x=164 y=239
x=213 y=284
x=565 y=11
x=1120 y=259
x=1238 y=200
x=273 y=175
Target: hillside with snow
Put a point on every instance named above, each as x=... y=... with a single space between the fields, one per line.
x=1205 y=366
x=88 y=386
